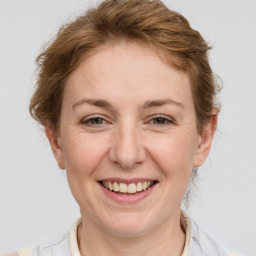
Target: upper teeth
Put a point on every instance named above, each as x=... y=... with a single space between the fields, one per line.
x=127 y=188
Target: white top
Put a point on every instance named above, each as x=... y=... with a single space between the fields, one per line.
x=197 y=244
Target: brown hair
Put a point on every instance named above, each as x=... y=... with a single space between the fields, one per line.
x=168 y=32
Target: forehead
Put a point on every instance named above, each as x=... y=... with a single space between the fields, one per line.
x=126 y=69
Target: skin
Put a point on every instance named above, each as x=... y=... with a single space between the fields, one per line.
x=129 y=139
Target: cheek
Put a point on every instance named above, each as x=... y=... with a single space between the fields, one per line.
x=174 y=158
x=173 y=153
x=82 y=153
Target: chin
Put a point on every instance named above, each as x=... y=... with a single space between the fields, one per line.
x=129 y=226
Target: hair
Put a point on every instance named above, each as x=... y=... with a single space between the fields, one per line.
x=151 y=22
x=147 y=21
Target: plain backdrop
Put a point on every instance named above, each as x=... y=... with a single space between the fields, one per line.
x=36 y=205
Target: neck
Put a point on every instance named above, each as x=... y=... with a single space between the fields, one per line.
x=166 y=240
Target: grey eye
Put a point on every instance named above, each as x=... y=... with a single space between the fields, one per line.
x=160 y=120
x=96 y=120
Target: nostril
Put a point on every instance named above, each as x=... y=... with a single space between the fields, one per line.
x=127 y=152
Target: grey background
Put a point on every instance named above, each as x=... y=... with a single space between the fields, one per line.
x=35 y=203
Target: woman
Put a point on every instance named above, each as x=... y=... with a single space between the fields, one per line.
x=127 y=98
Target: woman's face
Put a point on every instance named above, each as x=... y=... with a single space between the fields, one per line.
x=128 y=121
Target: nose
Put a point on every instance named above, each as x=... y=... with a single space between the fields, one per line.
x=127 y=149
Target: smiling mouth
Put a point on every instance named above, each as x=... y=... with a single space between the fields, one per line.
x=127 y=189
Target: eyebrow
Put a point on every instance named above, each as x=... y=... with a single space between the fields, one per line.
x=95 y=102
x=105 y=104
x=159 y=103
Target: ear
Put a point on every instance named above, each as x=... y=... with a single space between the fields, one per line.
x=56 y=146
x=205 y=141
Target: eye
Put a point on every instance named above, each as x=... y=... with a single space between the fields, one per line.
x=93 y=121
x=96 y=120
x=161 y=120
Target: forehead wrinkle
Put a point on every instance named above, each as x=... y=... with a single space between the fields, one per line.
x=159 y=103
x=101 y=103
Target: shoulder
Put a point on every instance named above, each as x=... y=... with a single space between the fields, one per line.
x=202 y=244
x=233 y=254
x=60 y=248
x=22 y=252
x=10 y=254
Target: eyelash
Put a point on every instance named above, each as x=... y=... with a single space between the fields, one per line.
x=166 y=120
x=87 y=121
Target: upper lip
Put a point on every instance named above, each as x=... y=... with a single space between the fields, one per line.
x=127 y=181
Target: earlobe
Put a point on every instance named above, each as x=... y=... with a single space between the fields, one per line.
x=56 y=146
x=205 y=141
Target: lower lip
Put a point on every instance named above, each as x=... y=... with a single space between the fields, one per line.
x=123 y=198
